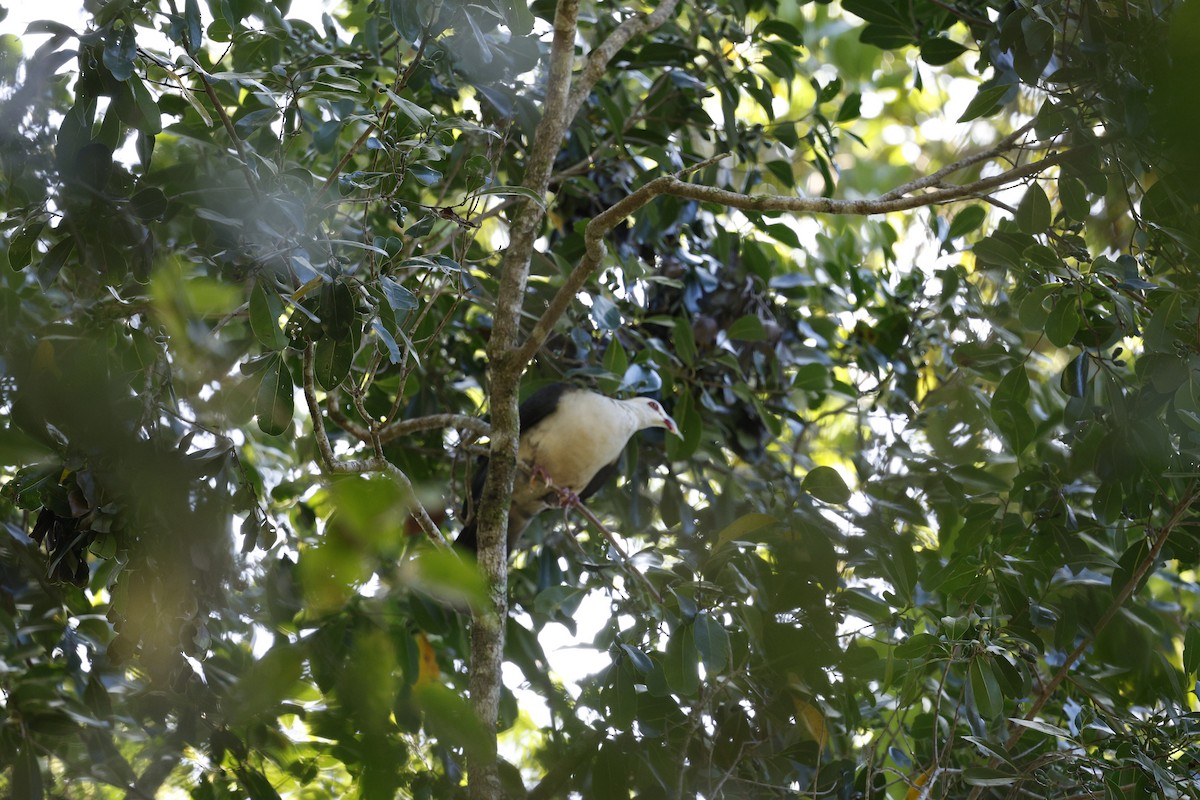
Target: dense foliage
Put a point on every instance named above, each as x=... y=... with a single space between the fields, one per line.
x=930 y=530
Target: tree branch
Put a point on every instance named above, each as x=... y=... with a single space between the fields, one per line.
x=590 y=516
x=487 y=629
x=608 y=219
x=409 y=426
x=1118 y=602
x=935 y=178
x=597 y=60
x=376 y=463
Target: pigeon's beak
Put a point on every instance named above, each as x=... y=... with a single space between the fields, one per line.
x=670 y=425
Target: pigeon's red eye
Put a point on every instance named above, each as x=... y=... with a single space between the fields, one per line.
x=655 y=406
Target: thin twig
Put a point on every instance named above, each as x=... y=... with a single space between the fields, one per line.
x=377 y=463
x=585 y=512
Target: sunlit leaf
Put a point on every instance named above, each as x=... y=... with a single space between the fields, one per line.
x=826 y=484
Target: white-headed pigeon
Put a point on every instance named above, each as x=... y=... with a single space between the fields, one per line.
x=571 y=439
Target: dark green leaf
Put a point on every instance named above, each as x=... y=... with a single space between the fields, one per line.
x=691 y=425
x=265 y=311
x=1075 y=377
x=120 y=50
x=1073 y=197
x=149 y=204
x=193 y=25
x=50 y=266
x=712 y=641
x=332 y=361
x=851 y=108
x=826 y=484
x=20 y=246
x=1033 y=213
x=685 y=343
x=681 y=664
x=1191 y=649
x=967 y=220
x=939 y=51
x=919 y=645
x=275 y=398
x=1063 y=322
x=149 y=117
x=336 y=310
x=985 y=103
x=27 y=774
x=748 y=328
x=985 y=689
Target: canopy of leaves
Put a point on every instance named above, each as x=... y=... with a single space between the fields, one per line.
x=930 y=530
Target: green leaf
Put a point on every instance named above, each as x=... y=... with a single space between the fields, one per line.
x=610 y=773
x=640 y=660
x=919 y=645
x=267 y=682
x=1032 y=312
x=20 y=246
x=993 y=251
x=681 y=664
x=419 y=116
x=985 y=103
x=332 y=361
x=27 y=773
x=265 y=311
x=120 y=50
x=826 y=484
x=256 y=785
x=744 y=526
x=987 y=776
x=426 y=176
x=336 y=309
x=1043 y=727
x=615 y=364
x=1013 y=387
x=985 y=689
x=1042 y=257
x=52 y=264
x=194 y=25
x=520 y=19
x=1191 y=649
x=149 y=117
x=851 y=107
x=967 y=220
x=712 y=640
x=1033 y=213
x=748 y=328
x=685 y=342
x=275 y=398
x=1073 y=197
x=691 y=425
x=149 y=204
x=1075 y=376
x=1064 y=320
x=940 y=50
x=388 y=341
x=399 y=298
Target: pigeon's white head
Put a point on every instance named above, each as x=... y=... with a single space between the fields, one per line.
x=650 y=414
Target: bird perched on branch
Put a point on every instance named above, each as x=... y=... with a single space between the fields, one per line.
x=571 y=439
